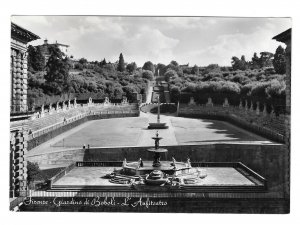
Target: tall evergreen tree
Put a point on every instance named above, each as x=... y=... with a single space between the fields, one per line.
x=121 y=64
x=255 y=61
x=57 y=69
x=35 y=59
x=279 y=60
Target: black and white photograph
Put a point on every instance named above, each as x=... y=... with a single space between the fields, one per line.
x=167 y=114
x=157 y=112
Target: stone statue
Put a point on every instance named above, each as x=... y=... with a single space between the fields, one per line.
x=63 y=105
x=192 y=101
x=90 y=101
x=251 y=106
x=257 y=108
x=174 y=162
x=124 y=100
x=241 y=104
x=141 y=164
x=265 y=110
x=209 y=102
x=188 y=162
x=226 y=104
x=124 y=162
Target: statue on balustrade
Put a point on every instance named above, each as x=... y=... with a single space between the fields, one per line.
x=90 y=101
x=124 y=100
x=192 y=101
x=257 y=108
x=265 y=110
x=106 y=101
x=75 y=103
x=209 y=102
x=226 y=103
x=63 y=105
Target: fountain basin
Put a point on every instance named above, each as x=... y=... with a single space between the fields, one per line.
x=167 y=167
x=158 y=126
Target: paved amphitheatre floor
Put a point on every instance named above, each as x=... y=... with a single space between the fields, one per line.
x=132 y=131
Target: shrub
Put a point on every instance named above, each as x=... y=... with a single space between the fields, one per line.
x=34 y=172
x=147 y=74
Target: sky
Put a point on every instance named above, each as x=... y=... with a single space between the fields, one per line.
x=195 y=40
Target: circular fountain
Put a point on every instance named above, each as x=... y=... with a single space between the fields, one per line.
x=156 y=173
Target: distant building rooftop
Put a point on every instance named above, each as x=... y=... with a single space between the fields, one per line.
x=56 y=43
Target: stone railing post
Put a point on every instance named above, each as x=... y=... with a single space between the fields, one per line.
x=241 y=104
x=251 y=107
x=265 y=110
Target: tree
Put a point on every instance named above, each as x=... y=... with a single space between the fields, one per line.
x=266 y=59
x=212 y=68
x=148 y=66
x=34 y=172
x=279 y=60
x=102 y=63
x=121 y=64
x=255 y=61
x=78 y=66
x=173 y=62
x=243 y=63
x=57 y=71
x=129 y=90
x=147 y=75
x=169 y=74
x=35 y=59
x=174 y=93
x=83 y=61
x=235 y=62
x=131 y=67
x=195 y=70
x=161 y=69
